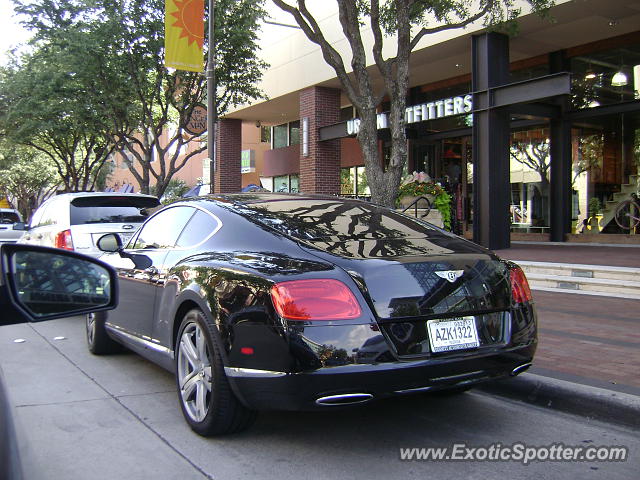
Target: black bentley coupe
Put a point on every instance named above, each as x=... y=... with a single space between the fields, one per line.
x=263 y=301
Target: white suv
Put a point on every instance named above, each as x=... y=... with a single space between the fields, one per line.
x=8 y=218
x=75 y=221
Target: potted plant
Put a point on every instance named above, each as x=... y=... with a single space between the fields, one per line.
x=419 y=184
x=594 y=215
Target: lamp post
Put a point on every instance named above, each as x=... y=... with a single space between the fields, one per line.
x=211 y=98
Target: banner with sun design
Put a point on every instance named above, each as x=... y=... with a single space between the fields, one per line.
x=184 y=34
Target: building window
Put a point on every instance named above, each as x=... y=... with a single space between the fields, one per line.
x=127 y=159
x=286 y=184
x=605 y=77
x=286 y=134
x=530 y=154
x=353 y=182
x=294 y=133
x=265 y=134
x=280 y=136
x=346 y=113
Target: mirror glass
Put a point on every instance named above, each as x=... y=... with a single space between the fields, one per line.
x=48 y=283
x=110 y=242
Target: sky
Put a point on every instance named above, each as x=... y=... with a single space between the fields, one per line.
x=11 y=33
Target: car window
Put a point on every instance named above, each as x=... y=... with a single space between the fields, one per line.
x=117 y=209
x=314 y=219
x=36 y=216
x=201 y=226
x=162 y=230
x=48 y=214
x=9 y=217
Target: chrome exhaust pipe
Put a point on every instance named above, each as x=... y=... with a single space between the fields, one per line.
x=344 y=399
x=519 y=369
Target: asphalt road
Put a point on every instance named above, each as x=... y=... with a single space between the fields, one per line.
x=118 y=417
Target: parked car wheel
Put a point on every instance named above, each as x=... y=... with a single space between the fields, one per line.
x=207 y=401
x=98 y=341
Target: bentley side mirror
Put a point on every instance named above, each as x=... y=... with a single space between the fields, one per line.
x=112 y=243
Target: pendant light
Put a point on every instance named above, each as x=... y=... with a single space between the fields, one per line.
x=619 y=79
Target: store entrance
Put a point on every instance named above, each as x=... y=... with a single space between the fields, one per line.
x=449 y=162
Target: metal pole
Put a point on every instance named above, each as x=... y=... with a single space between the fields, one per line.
x=211 y=97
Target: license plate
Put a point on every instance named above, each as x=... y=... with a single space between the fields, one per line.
x=453 y=334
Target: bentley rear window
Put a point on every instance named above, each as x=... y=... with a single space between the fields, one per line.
x=315 y=219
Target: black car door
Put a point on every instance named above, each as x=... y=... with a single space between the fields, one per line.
x=140 y=283
x=201 y=227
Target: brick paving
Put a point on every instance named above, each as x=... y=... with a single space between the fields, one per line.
x=624 y=256
x=594 y=340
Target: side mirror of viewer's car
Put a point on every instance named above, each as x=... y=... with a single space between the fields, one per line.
x=42 y=283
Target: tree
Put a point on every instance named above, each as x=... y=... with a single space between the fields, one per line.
x=590 y=154
x=128 y=85
x=409 y=21
x=535 y=154
x=40 y=109
x=27 y=177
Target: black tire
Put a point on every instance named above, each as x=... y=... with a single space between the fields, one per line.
x=208 y=404
x=98 y=342
x=627 y=213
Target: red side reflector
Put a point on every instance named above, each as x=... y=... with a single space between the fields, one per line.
x=315 y=299
x=63 y=240
x=520 y=291
x=246 y=350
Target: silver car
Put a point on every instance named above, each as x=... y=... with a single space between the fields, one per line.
x=75 y=221
x=8 y=218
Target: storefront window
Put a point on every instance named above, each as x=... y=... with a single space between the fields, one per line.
x=530 y=169
x=281 y=183
x=605 y=77
x=606 y=168
x=294 y=183
x=286 y=184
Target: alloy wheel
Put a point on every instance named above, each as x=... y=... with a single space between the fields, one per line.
x=194 y=372
x=91 y=327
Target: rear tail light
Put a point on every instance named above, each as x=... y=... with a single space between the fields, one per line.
x=520 y=291
x=63 y=240
x=315 y=299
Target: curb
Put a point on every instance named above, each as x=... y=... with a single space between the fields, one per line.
x=591 y=402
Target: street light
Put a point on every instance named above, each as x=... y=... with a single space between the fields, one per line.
x=211 y=100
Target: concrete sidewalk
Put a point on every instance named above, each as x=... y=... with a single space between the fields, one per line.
x=588 y=358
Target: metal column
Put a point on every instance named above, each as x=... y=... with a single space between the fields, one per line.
x=491 y=225
x=560 y=201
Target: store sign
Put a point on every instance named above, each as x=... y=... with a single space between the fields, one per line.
x=446 y=107
x=197 y=123
x=247 y=161
x=439 y=109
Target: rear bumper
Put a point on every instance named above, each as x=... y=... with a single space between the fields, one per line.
x=272 y=390
x=294 y=367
